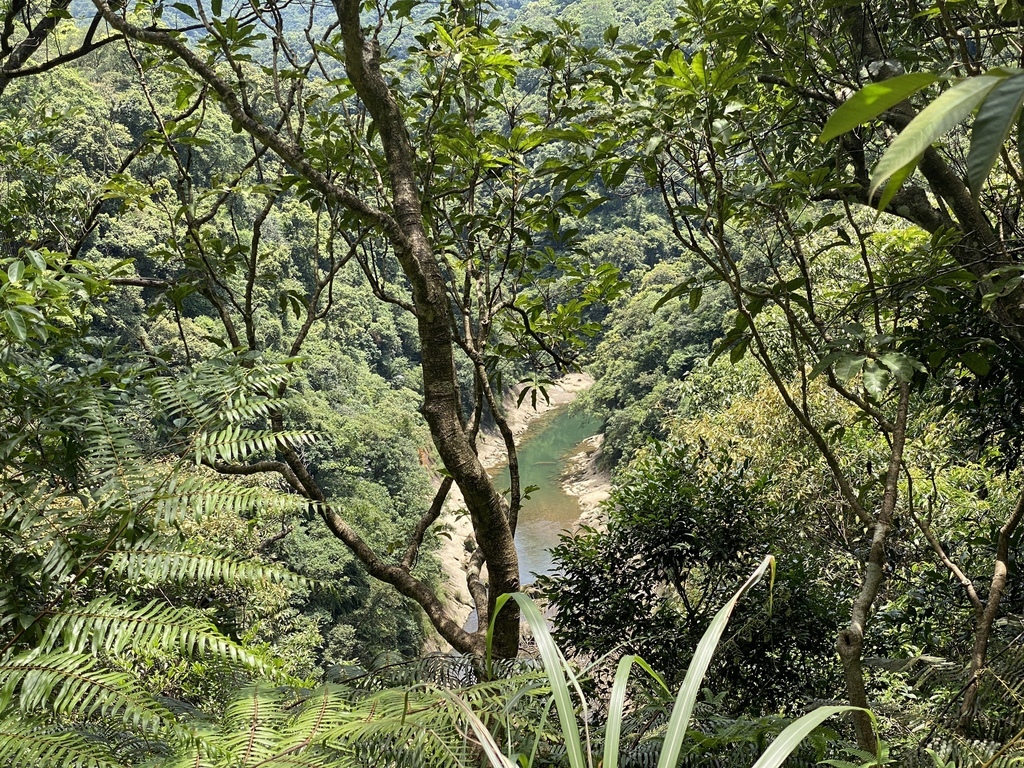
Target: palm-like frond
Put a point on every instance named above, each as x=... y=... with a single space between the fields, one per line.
x=199 y=496
x=233 y=443
x=76 y=685
x=108 y=625
x=169 y=566
x=35 y=742
x=73 y=540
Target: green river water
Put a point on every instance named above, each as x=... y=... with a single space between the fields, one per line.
x=549 y=511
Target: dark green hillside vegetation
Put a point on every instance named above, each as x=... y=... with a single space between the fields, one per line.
x=267 y=271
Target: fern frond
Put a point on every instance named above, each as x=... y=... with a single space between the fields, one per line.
x=200 y=496
x=253 y=723
x=106 y=625
x=29 y=742
x=235 y=443
x=75 y=685
x=256 y=407
x=163 y=566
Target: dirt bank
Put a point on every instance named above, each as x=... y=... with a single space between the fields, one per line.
x=590 y=484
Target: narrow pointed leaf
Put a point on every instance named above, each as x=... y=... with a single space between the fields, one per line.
x=895 y=182
x=872 y=100
x=698 y=668
x=934 y=121
x=795 y=733
x=996 y=118
x=557 y=671
x=616 y=703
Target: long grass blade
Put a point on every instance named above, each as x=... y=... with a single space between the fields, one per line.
x=683 y=707
x=795 y=733
x=557 y=671
x=484 y=736
x=613 y=729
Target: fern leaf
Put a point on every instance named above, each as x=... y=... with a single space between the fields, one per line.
x=74 y=685
x=162 y=566
x=28 y=742
x=198 y=497
x=234 y=443
x=106 y=625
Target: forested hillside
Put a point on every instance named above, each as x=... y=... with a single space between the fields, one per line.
x=271 y=273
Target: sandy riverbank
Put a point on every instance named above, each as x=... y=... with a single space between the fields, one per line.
x=582 y=482
x=590 y=484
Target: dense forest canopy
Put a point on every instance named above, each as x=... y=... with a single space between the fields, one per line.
x=269 y=272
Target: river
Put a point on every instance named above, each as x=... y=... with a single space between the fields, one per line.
x=549 y=511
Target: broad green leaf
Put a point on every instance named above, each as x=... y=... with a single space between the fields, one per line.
x=36 y=258
x=934 y=121
x=824 y=363
x=16 y=322
x=872 y=100
x=976 y=363
x=795 y=733
x=895 y=182
x=699 y=664
x=996 y=118
x=876 y=379
x=216 y=7
x=186 y=9
x=901 y=365
x=849 y=366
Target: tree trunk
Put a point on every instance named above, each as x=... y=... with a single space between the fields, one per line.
x=850 y=642
x=983 y=627
x=441 y=402
x=405 y=231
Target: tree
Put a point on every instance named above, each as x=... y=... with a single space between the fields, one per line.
x=437 y=181
x=819 y=289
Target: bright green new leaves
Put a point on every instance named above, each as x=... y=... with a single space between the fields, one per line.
x=998 y=95
x=39 y=296
x=934 y=121
x=996 y=118
x=872 y=100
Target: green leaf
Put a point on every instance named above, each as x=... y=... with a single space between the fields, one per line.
x=699 y=664
x=613 y=728
x=996 y=118
x=976 y=363
x=848 y=366
x=15 y=271
x=934 y=121
x=895 y=182
x=556 y=668
x=795 y=733
x=901 y=365
x=186 y=9
x=36 y=258
x=876 y=379
x=215 y=6
x=16 y=322
x=824 y=363
x=673 y=293
x=872 y=100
